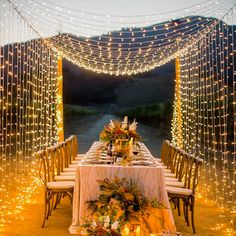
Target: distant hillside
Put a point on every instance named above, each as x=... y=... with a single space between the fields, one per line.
x=148 y=89
x=86 y=88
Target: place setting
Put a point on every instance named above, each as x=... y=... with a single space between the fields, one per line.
x=119 y=145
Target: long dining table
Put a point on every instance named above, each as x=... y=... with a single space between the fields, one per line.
x=148 y=174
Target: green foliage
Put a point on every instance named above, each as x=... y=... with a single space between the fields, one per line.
x=153 y=114
x=72 y=110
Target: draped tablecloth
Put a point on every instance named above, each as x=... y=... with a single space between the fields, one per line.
x=149 y=179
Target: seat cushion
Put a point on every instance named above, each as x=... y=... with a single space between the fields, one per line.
x=169 y=175
x=83 y=155
x=69 y=169
x=75 y=162
x=65 y=178
x=174 y=184
x=171 y=179
x=61 y=185
x=179 y=191
x=73 y=165
x=68 y=173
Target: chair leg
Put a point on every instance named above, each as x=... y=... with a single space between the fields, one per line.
x=178 y=206
x=186 y=212
x=57 y=201
x=59 y=198
x=192 y=213
x=55 y=204
x=45 y=210
x=52 y=205
x=49 y=197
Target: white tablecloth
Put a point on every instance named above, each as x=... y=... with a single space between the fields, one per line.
x=150 y=180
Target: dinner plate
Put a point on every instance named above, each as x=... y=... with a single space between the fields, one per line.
x=143 y=163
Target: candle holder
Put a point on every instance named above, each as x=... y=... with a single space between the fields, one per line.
x=135 y=226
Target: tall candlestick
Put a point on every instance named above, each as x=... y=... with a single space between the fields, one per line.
x=126 y=231
x=137 y=231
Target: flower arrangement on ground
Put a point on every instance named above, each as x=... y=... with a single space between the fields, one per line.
x=120 y=200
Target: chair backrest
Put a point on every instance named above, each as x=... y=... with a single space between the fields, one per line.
x=75 y=146
x=62 y=155
x=44 y=167
x=68 y=155
x=54 y=160
x=179 y=164
x=174 y=156
x=192 y=171
x=164 y=149
x=195 y=178
x=169 y=153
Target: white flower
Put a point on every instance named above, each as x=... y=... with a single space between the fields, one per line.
x=124 y=125
x=107 y=219
x=106 y=225
x=126 y=119
x=111 y=124
x=115 y=225
x=133 y=126
x=93 y=224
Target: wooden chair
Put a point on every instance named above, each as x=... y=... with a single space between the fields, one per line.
x=52 y=188
x=178 y=181
x=61 y=160
x=187 y=194
x=75 y=154
x=164 y=152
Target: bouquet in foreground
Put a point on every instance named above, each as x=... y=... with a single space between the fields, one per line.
x=119 y=204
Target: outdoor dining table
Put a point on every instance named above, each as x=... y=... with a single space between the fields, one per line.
x=150 y=180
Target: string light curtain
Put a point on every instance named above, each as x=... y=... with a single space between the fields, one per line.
x=121 y=45
x=208 y=105
x=33 y=33
x=28 y=89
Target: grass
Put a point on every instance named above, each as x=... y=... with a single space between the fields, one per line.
x=74 y=110
x=157 y=114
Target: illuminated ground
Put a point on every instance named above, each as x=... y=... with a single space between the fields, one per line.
x=59 y=222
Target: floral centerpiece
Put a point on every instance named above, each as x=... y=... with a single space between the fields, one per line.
x=119 y=202
x=117 y=130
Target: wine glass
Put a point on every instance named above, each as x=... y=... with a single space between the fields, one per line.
x=135 y=149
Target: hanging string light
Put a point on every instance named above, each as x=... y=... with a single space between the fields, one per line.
x=28 y=83
x=207 y=90
x=33 y=34
x=125 y=51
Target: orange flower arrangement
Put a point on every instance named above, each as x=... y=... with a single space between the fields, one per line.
x=118 y=130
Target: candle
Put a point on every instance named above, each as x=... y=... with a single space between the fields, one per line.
x=137 y=231
x=126 y=119
x=126 y=231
